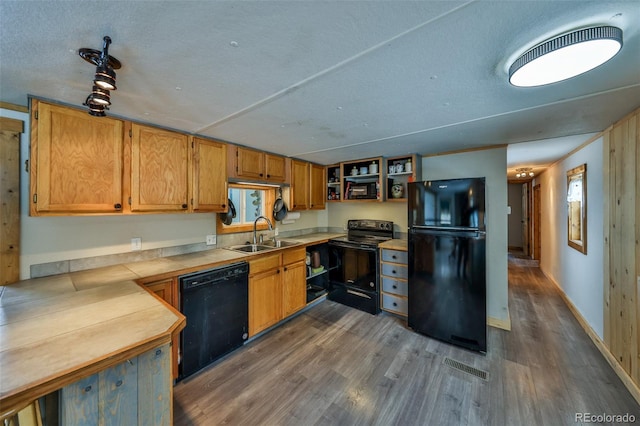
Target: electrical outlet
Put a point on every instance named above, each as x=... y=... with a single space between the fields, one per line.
x=211 y=240
x=276 y=232
x=136 y=243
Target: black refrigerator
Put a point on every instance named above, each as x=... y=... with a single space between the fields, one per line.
x=447 y=262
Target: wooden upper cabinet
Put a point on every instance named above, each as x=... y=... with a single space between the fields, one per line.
x=209 y=176
x=159 y=169
x=246 y=163
x=299 y=191
x=275 y=168
x=250 y=164
x=76 y=161
x=318 y=187
x=308 y=188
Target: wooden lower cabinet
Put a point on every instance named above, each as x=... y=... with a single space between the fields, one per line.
x=294 y=288
x=137 y=391
x=167 y=290
x=277 y=288
x=265 y=300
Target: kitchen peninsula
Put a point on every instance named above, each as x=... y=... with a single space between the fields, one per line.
x=62 y=330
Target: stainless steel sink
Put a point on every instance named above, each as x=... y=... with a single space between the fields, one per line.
x=250 y=248
x=280 y=243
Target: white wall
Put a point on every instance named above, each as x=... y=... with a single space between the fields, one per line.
x=340 y=213
x=580 y=276
x=491 y=164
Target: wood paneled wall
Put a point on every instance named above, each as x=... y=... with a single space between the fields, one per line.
x=10 y=130
x=622 y=247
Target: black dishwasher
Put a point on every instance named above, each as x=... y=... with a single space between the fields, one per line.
x=216 y=304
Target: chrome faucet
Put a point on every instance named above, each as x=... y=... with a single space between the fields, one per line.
x=255 y=223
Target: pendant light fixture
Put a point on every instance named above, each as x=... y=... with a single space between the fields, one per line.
x=105 y=78
x=566 y=56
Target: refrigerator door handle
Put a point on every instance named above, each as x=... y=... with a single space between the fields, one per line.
x=445 y=228
x=447 y=233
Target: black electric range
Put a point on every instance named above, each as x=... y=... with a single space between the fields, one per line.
x=354 y=267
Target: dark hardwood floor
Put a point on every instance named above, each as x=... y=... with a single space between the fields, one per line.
x=333 y=365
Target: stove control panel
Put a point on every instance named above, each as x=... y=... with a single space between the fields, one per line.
x=370 y=227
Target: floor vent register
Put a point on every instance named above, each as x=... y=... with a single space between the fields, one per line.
x=466 y=368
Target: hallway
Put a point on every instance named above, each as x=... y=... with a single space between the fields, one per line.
x=333 y=365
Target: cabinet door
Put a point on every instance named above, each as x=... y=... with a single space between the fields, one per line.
x=299 y=185
x=163 y=289
x=265 y=301
x=275 y=168
x=168 y=291
x=294 y=288
x=159 y=169
x=317 y=187
x=76 y=161
x=250 y=164
x=209 y=176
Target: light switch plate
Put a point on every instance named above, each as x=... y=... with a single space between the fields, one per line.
x=211 y=240
x=136 y=244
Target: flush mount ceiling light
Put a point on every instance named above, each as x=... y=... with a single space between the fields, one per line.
x=105 y=78
x=566 y=56
x=524 y=172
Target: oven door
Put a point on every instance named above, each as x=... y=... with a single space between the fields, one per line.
x=353 y=276
x=354 y=266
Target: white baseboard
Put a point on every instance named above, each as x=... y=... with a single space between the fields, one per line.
x=504 y=324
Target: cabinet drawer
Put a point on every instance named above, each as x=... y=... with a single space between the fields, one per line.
x=293 y=255
x=389 y=285
x=394 y=304
x=396 y=271
x=395 y=256
x=264 y=263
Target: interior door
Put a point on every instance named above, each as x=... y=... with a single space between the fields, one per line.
x=525 y=219
x=537 y=222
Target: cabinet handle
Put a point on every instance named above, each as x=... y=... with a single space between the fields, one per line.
x=268 y=176
x=87 y=389
x=395 y=286
x=393 y=272
x=394 y=257
x=278 y=271
x=224 y=206
x=119 y=383
x=395 y=304
x=184 y=206
x=117 y=206
x=261 y=174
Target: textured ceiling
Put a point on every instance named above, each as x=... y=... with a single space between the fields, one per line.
x=328 y=81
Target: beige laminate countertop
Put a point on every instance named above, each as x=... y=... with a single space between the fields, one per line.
x=395 y=244
x=56 y=330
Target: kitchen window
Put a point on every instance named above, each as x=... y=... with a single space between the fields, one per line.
x=250 y=201
x=249 y=204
